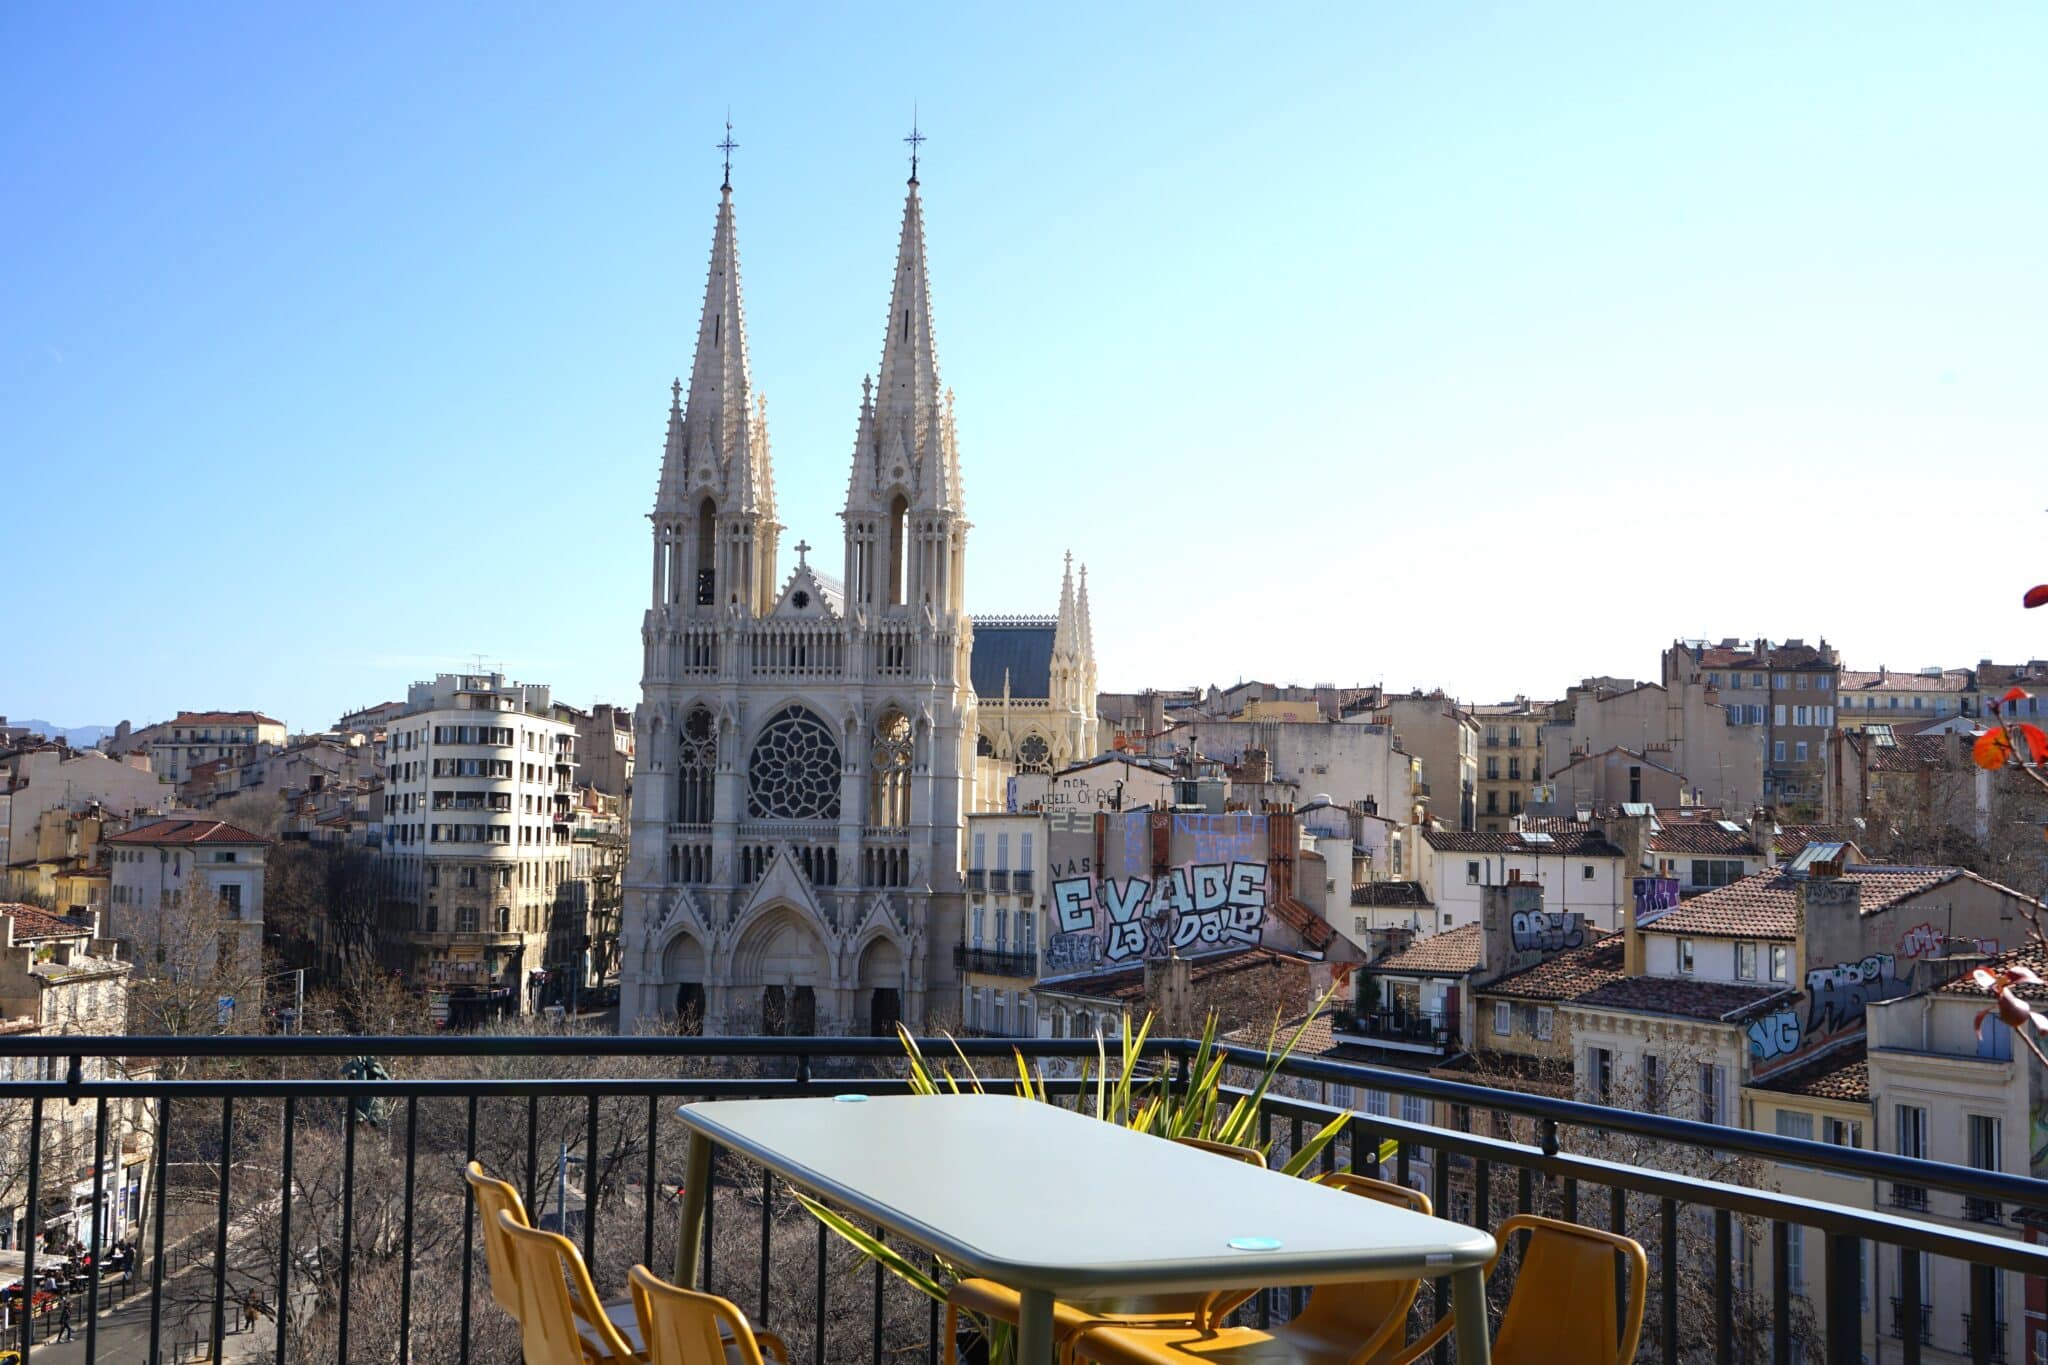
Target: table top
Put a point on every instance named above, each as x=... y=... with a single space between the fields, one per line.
x=1038 y=1197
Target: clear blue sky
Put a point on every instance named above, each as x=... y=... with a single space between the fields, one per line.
x=1474 y=347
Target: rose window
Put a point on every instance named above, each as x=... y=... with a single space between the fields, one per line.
x=1034 y=755
x=794 y=772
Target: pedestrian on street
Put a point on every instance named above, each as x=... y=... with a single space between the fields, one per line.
x=64 y=1332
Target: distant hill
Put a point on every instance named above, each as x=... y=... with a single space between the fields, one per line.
x=77 y=736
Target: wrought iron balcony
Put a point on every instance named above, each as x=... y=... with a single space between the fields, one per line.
x=1396 y=1026
x=996 y=962
x=1899 y=1321
x=337 y=1205
x=1997 y=1336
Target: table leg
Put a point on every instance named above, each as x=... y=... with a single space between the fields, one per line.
x=696 y=1190
x=1034 y=1328
x=1468 y=1311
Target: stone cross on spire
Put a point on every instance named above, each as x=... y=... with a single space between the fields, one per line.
x=916 y=141
x=728 y=146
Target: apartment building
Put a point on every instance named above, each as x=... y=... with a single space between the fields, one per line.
x=59 y=976
x=1446 y=738
x=477 y=849
x=1789 y=690
x=1510 y=759
x=40 y=778
x=1008 y=866
x=182 y=881
x=604 y=747
x=1680 y=724
x=1887 y=697
x=190 y=738
x=1580 y=869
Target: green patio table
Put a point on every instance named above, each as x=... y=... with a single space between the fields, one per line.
x=1058 y=1205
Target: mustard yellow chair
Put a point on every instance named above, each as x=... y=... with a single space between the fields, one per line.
x=551 y=1277
x=1563 y=1307
x=1342 y=1324
x=683 y=1327
x=1000 y=1303
x=493 y=1197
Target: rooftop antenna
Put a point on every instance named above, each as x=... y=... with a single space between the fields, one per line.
x=916 y=141
x=728 y=146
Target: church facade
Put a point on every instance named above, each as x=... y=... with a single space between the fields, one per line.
x=807 y=742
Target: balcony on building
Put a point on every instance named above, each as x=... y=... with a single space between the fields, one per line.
x=341 y=1201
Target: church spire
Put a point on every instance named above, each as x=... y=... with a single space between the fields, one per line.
x=1087 y=621
x=720 y=433
x=1066 y=635
x=909 y=440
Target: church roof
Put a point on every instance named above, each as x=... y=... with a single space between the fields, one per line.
x=1018 y=645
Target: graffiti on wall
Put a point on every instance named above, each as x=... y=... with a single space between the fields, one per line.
x=1546 y=931
x=1774 y=1036
x=1120 y=909
x=1655 y=895
x=1924 y=940
x=1837 y=995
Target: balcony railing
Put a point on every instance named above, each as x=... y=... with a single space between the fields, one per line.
x=996 y=962
x=1926 y=1333
x=1997 y=1343
x=337 y=1205
x=1405 y=1027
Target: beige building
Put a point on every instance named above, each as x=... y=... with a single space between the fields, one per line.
x=604 y=747
x=478 y=793
x=1890 y=698
x=1598 y=782
x=190 y=738
x=998 y=956
x=1446 y=738
x=1681 y=724
x=1788 y=692
x=180 y=877
x=58 y=976
x=1510 y=759
x=51 y=777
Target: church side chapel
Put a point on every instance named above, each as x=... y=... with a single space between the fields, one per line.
x=810 y=744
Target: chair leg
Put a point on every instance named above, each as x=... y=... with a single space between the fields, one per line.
x=952 y=1338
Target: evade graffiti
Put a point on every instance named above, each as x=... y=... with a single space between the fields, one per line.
x=1203 y=905
x=1837 y=995
x=1774 y=1036
x=1546 y=931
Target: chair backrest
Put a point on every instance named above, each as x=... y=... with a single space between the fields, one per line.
x=493 y=1197
x=548 y=1269
x=683 y=1327
x=1563 y=1305
x=1251 y=1156
x=1368 y=1313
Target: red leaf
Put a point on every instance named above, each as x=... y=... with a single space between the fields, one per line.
x=2037 y=742
x=1992 y=749
x=2016 y=694
x=2037 y=597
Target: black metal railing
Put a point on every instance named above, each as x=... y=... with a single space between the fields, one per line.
x=996 y=962
x=322 y=1220
x=1403 y=1027
x=1997 y=1335
x=1926 y=1333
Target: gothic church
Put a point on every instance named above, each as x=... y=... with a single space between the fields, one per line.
x=808 y=745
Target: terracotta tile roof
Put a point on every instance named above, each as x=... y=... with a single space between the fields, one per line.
x=188 y=832
x=1128 y=983
x=1951 y=680
x=2030 y=955
x=223 y=718
x=1841 y=1074
x=1792 y=838
x=1316 y=1037
x=1687 y=999
x=1766 y=904
x=1703 y=836
x=33 y=922
x=1993 y=677
x=1774 y=656
x=1567 y=976
x=1910 y=754
x=1450 y=953
x=1389 y=893
x=1576 y=840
